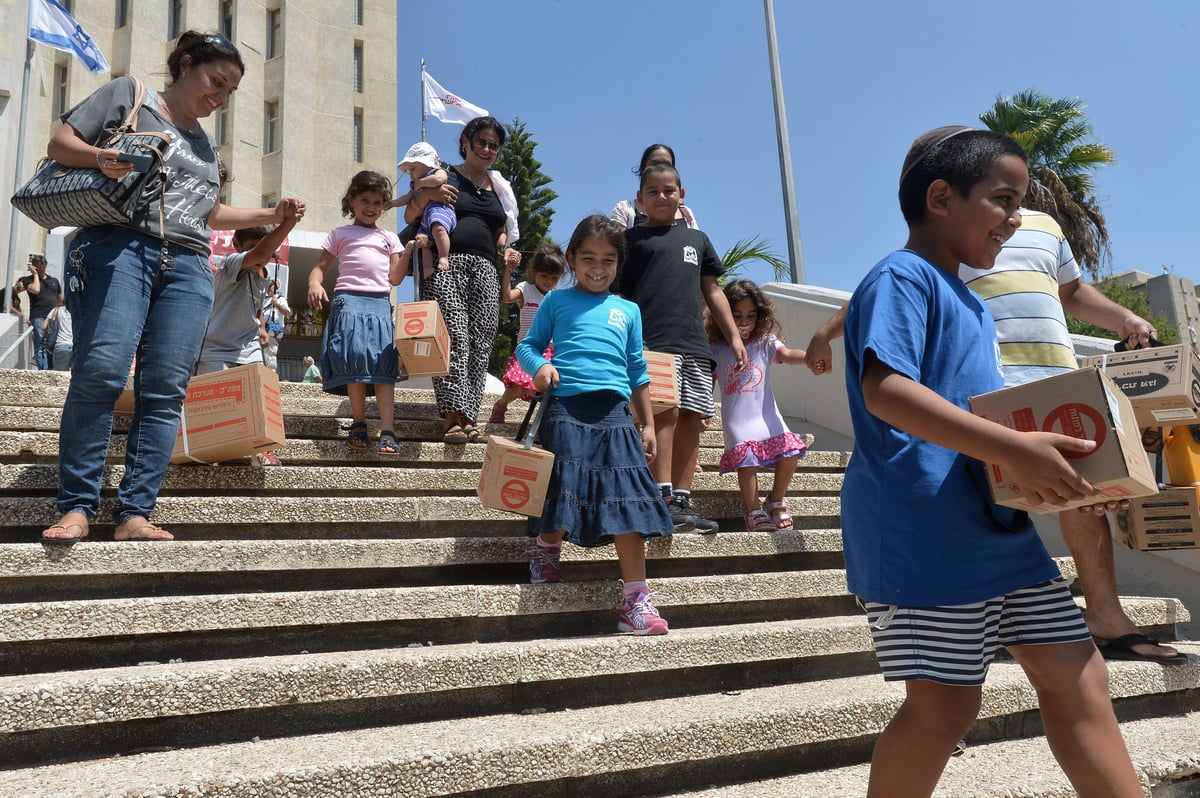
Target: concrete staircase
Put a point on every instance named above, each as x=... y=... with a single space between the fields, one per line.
x=349 y=624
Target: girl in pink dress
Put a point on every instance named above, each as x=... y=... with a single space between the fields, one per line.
x=545 y=269
x=756 y=436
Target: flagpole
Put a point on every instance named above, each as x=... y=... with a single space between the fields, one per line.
x=791 y=215
x=422 y=99
x=12 y=219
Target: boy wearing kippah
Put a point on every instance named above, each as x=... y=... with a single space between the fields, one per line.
x=946 y=575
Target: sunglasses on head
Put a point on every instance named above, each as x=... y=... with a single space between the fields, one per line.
x=217 y=40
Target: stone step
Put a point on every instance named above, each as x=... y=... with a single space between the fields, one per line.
x=613 y=749
x=71 y=619
x=18 y=389
x=29 y=389
x=530 y=671
x=1165 y=751
x=356 y=516
x=331 y=451
x=158 y=615
x=26 y=419
x=412 y=407
x=29 y=478
x=92 y=559
x=43 y=701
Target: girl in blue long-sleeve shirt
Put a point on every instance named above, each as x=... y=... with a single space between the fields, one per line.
x=601 y=490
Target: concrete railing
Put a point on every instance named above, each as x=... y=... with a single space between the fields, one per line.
x=16 y=347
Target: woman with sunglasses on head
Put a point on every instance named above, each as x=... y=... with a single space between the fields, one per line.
x=144 y=289
x=468 y=293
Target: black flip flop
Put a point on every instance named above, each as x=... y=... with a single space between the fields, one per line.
x=1121 y=648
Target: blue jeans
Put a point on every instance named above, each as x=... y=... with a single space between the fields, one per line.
x=128 y=294
x=40 y=356
x=62 y=358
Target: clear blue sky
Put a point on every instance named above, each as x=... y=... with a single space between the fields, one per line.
x=596 y=83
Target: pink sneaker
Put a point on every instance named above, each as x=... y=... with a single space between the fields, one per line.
x=266 y=459
x=639 y=616
x=543 y=565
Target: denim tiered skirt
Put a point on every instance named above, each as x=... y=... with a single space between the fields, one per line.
x=359 y=344
x=601 y=486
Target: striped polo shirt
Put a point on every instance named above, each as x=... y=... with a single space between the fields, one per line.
x=1021 y=290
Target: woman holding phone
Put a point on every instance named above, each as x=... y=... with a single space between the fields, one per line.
x=144 y=289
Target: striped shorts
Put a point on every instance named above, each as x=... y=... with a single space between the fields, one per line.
x=695 y=385
x=955 y=645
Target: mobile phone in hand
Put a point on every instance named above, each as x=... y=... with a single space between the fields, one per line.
x=141 y=163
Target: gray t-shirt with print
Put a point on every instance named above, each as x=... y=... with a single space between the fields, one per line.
x=232 y=336
x=192 y=183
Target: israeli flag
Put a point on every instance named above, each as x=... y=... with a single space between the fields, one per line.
x=53 y=25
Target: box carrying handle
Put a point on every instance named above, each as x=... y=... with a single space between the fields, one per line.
x=528 y=431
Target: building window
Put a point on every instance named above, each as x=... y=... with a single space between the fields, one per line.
x=60 y=88
x=223 y=124
x=122 y=13
x=176 y=20
x=358 y=67
x=271 y=128
x=270 y=200
x=274 y=41
x=358 y=135
x=226 y=19
x=358 y=12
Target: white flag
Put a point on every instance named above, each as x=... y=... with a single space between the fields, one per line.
x=53 y=25
x=449 y=108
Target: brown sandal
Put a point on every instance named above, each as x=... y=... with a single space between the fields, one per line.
x=454 y=433
x=51 y=540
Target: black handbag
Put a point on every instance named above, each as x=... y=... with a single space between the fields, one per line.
x=61 y=196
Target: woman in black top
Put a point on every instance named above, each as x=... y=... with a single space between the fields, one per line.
x=468 y=292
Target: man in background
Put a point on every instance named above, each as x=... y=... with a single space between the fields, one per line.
x=45 y=294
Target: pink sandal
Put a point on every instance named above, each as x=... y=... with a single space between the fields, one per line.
x=779 y=514
x=498 y=413
x=758 y=521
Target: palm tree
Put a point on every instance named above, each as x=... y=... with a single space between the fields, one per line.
x=1062 y=159
x=747 y=250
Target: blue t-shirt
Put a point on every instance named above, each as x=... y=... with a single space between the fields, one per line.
x=597 y=342
x=915 y=516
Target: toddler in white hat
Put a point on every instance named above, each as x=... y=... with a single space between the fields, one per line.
x=424 y=169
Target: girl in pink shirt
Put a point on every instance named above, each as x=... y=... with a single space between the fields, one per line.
x=358 y=353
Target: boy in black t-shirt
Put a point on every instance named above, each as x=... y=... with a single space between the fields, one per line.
x=671 y=272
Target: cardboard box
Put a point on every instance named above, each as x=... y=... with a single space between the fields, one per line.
x=422 y=339
x=1162 y=383
x=664 y=381
x=1170 y=520
x=1083 y=404
x=230 y=414
x=514 y=479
